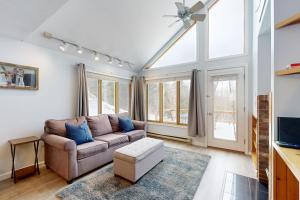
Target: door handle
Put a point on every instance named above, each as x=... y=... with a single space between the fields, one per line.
x=209 y=113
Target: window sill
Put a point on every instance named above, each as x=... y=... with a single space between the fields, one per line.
x=166 y=124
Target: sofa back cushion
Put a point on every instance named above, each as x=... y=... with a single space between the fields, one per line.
x=114 y=120
x=58 y=127
x=99 y=125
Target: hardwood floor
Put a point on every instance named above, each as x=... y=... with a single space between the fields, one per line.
x=48 y=183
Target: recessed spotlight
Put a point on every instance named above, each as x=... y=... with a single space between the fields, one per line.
x=63 y=46
x=79 y=50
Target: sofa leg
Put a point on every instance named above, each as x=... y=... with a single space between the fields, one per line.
x=47 y=167
x=70 y=181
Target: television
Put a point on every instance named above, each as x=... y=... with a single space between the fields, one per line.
x=289 y=132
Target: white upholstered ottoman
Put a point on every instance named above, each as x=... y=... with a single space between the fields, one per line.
x=134 y=160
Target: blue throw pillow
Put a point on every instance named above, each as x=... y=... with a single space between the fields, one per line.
x=79 y=133
x=126 y=124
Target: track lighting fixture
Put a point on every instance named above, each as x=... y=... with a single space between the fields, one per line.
x=63 y=46
x=79 y=49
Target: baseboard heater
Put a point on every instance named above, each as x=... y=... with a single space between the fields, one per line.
x=169 y=137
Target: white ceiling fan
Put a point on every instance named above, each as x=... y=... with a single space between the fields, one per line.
x=187 y=14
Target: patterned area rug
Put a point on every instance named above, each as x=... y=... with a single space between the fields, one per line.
x=177 y=177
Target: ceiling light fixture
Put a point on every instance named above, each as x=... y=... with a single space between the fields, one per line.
x=120 y=63
x=110 y=60
x=63 y=46
x=79 y=50
x=96 y=56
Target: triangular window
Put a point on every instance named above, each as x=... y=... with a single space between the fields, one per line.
x=184 y=50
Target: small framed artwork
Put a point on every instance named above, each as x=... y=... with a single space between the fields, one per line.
x=21 y=77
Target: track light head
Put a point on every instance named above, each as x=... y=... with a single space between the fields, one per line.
x=110 y=60
x=96 y=58
x=120 y=63
x=79 y=50
x=63 y=46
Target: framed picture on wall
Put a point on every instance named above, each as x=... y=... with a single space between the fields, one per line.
x=21 y=77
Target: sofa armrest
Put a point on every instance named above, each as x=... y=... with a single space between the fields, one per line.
x=59 y=142
x=139 y=125
x=61 y=155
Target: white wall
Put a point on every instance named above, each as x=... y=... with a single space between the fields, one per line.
x=261 y=52
x=23 y=113
x=286 y=45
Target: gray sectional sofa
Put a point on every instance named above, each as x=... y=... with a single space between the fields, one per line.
x=69 y=160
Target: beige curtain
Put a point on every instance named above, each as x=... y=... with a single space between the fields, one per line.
x=195 y=117
x=82 y=101
x=137 y=98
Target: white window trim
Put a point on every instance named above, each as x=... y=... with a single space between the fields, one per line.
x=246 y=28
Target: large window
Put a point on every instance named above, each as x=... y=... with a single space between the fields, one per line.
x=167 y=101
x=226 y=28
x=124 y=97
x=93 y=96
x=153 y=101
x=184 y=100
x=183 y=51
x=108 y=96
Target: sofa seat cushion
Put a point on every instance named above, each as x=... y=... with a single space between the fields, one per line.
x=113 y=138
x=99 y=125
x=92 y=148
x=135 y=135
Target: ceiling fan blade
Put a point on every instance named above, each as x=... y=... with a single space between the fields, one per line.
x=180 y=7
x=198 y=6
x=175 y=16
x=198 y=17
x=174 y=23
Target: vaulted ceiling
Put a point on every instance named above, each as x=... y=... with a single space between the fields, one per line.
x=132 y=30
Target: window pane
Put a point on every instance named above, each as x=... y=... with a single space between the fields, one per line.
x=226 y=28
x=183 y=51
x=153 y=101
x=184 y=100
x=123 y=97
x=108 y=97
x=169 y=101
x=225 y=107
x=93 y=96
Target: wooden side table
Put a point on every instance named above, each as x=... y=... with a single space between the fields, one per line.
x=16 y=142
